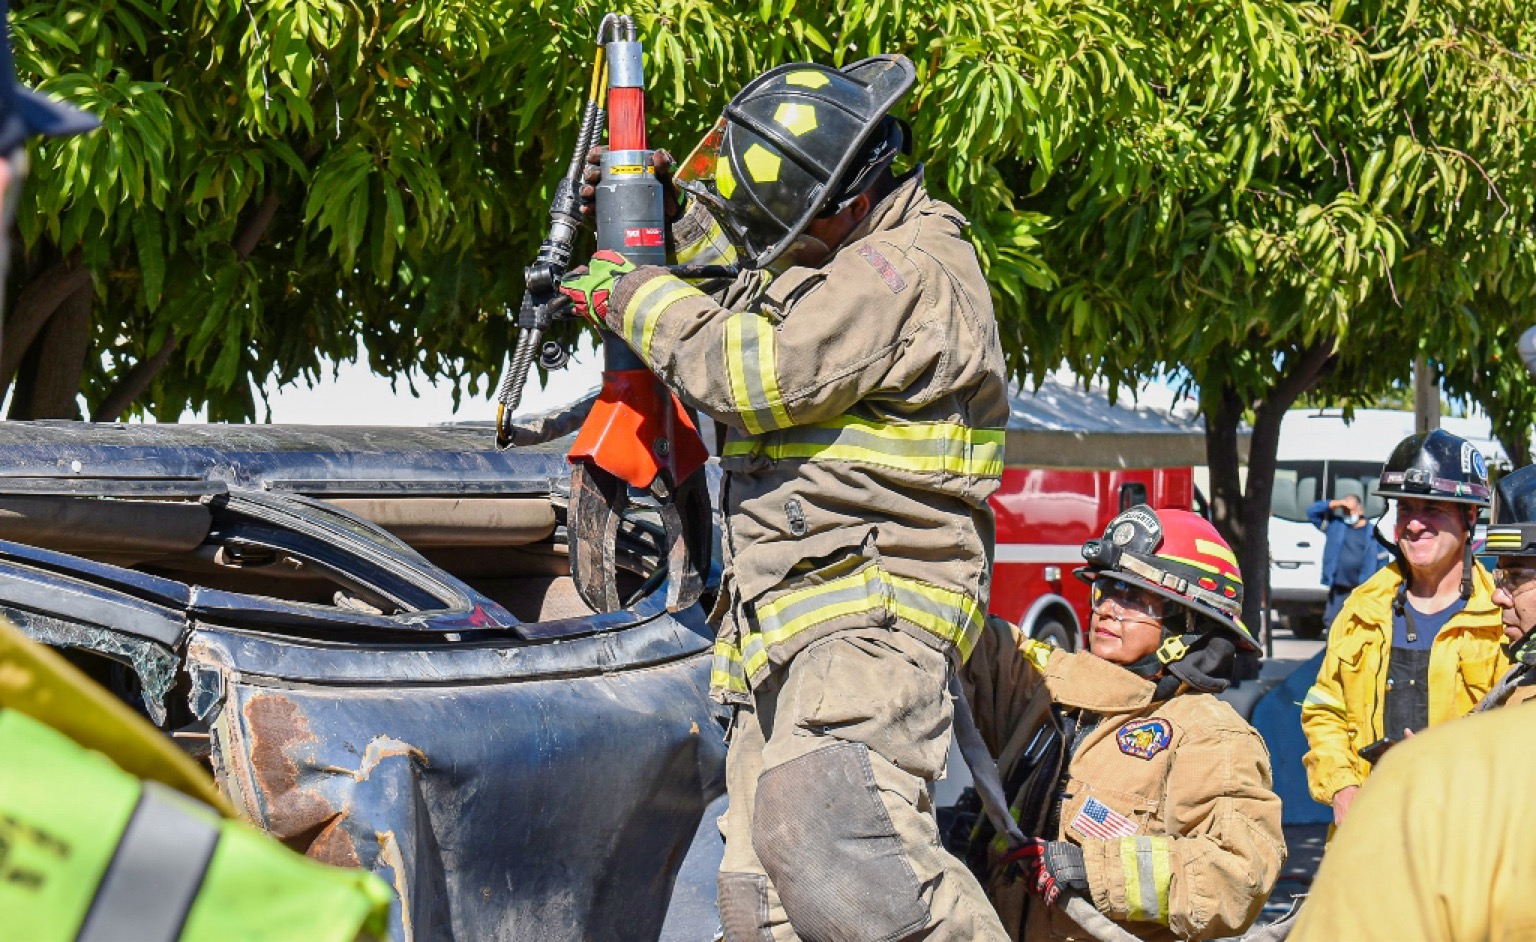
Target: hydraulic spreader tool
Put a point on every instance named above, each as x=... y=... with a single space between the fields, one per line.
x=637 y=439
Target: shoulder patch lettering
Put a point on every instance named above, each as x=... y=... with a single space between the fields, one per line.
x=1144 y=738
x=883 y=266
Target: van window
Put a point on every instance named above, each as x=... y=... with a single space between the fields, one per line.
x=1296 y=487
x=1299 y=483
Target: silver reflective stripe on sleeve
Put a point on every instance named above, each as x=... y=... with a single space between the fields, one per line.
x=156 y=872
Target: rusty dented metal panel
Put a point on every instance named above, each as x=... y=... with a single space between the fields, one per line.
x=553 y=807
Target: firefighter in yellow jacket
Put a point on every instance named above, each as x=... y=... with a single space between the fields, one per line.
x=1145 y=794
x=1439 y=846
x=1407 y=653
x=856 y=365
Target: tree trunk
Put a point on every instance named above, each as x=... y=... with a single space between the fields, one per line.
x=1241 y=514
x=1516 y=439
x=49 y=384
x=1253 y=555
x=36 y=303
x=1223 y=417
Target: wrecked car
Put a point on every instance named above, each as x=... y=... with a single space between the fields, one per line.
x=372 y=638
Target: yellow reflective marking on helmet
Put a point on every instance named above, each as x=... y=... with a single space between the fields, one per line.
x=1215 y=549
x=1207 y=567
x=762 y=164
x=796 y=119
x=725 y=181
x=806 y=78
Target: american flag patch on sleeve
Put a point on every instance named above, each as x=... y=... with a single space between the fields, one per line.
x=1097 y=820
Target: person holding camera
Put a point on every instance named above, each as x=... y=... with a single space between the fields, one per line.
x=1419 y=642
x=1350 y=552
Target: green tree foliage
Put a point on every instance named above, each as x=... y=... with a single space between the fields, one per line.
x=277 y=179
x=1267 y=198
x=1272 y=198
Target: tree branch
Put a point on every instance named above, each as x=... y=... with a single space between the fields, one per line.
x=249 y=237
x=135 y=382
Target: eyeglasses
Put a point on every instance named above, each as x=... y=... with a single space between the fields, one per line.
x=1512 y=579
x=1117 y=600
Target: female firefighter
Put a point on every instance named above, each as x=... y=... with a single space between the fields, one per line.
x=1141 y=792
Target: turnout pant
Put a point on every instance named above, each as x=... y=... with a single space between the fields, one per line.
x=830 y=836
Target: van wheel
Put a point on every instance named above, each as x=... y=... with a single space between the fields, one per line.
x=1307 y=627
x=1052 y=632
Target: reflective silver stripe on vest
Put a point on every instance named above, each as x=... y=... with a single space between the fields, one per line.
x=156 y=872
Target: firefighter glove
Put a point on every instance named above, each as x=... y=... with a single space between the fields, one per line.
x=1061 y=870
x=590 y=286
x=1208 y=664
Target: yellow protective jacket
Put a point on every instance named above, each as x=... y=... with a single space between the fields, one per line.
x=1343 y=711
x=1439 y=847
x=1186 y=779
x=866 y=407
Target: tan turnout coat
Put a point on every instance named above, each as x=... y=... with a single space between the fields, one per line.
x=866 y=406
x=1189 y=774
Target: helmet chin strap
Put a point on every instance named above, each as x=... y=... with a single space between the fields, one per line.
x=1153 y=666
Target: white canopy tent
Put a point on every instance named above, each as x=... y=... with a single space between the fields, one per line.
x=1064 y=425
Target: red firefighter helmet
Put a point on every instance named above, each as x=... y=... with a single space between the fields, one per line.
x=1178 y=555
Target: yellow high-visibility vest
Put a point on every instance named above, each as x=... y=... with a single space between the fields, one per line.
x=90 y=852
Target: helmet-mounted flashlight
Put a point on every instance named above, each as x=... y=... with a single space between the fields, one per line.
x=1101 y=554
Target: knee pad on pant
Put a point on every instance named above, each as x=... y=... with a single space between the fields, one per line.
x=742 y=899
x=825 y=839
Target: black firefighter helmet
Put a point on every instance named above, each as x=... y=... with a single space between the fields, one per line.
x=796 y=141
x=1512 y=523
x=1436 y=466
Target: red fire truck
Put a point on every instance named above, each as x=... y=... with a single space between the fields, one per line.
x=1043 y=517
x=1074 y=462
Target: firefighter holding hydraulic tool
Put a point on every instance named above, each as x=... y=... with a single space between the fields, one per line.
x=855 y=362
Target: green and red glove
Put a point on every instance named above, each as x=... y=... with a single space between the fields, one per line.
x=590 y=286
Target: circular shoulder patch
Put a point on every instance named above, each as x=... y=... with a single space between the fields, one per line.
x=1144 y=738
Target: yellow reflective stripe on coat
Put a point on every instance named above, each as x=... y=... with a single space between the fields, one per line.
x=646 y=308
x=751 y=365
x=1318 y=697
x=726 y=672
x=1148 y=866
x=712 y=248
x=936 y=447
x=947 y=614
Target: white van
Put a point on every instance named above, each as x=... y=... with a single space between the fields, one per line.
x=1320 y=456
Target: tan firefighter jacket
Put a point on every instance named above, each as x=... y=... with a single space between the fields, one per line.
x=866 y=405
x=1171 y=801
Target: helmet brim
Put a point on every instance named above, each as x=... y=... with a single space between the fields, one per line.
x=1396 y=493
x=1245 y=638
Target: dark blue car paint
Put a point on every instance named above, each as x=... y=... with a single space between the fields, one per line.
x=512 y=780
